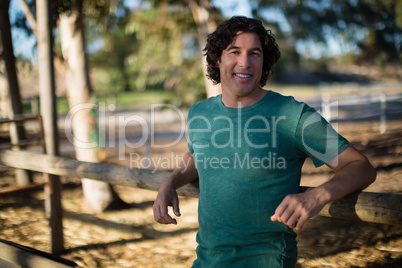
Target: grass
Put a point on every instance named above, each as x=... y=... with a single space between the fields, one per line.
x=144 y=99
x=301 y=92
x=122 y=101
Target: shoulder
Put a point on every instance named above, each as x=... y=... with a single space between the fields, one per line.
x=287 y=105
x=285 y=100
x=204 y=106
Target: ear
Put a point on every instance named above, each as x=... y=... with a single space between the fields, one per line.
x=218 y=62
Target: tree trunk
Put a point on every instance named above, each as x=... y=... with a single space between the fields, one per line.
x=205 y=17
x=3 y=79
x=99 y=195
x=13 y=103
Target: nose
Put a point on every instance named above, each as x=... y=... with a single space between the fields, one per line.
x=244 y=60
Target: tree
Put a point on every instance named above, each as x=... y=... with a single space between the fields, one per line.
x=370 y=25
x=12 y=91
x=153 y=46
x=70 y=20
x=99 y=195
x=112 y=60
x=160 y=59
x=206 y=18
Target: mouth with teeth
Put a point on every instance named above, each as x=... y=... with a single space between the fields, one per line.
x=242 y=75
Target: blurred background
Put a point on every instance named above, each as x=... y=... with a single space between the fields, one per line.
x=153 y=49
x=121 y=57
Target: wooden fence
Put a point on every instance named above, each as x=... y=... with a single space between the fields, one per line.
x=351 y=101
x=365 y=206
x=13 y=255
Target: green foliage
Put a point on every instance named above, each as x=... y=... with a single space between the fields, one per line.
x=152 y=47
x=129 y=100
x=161 y=32
x=371 y=25
x=109 y=64
x=191 y=87
x=155 y=47
x=122 y=101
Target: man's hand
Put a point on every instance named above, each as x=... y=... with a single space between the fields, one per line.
x=167 y=196
x=353 y=172
x=185 y=173
x=296 y=209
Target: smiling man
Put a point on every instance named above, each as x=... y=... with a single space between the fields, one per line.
x=240 y=68
x=247 y=147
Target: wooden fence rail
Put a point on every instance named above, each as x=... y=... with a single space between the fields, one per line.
x=365 y=206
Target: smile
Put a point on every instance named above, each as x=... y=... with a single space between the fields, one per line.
x=243 y=75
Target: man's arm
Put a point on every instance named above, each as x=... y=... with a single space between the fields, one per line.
x=167 y=196
x=353 y=172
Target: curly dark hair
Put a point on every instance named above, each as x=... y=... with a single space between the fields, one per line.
x=223 y=37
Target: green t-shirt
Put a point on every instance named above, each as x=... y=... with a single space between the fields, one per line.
x=248 y=159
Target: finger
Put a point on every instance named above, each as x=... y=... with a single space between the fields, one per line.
x=161 y=215
x=176 y=209
x=279 y=211
x=293 y=220
x=300 y=223
x=157 y=214
x=286 y=215
x=166 y=217
x=274 y=218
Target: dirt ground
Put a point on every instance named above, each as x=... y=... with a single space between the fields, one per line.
x=130 y=238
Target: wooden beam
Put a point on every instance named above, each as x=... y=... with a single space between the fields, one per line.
x=22 y=143
x=14 y=189
x=365 y=206
x=48 y=111
x=111 y=173
x=18 y=119
x=15 y=255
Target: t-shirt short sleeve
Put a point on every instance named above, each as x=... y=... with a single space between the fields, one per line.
x=317 y=138
x=190 y=148
x=189 y=144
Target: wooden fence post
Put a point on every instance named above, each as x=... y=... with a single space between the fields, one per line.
x=17 y=132
x=383 y=112
x=49 y=112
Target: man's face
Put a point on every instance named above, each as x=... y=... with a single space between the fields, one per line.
x=241 y=65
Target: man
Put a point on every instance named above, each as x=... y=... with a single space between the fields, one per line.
x=247 y=147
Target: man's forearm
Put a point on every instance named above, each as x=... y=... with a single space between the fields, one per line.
x=354 y=176
x=184 y=174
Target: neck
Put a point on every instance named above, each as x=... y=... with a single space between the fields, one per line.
x=234 y=101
